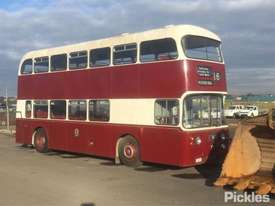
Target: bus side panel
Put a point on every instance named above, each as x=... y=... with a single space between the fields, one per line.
x=85 y=137
x=150 y=80
x=57 y=132
x=99 y=138
x=165 y=79
x=20 y=132
x=161 y=145
x=77 y=133
x=24 y=131
x=99 y=83
x=125 y=82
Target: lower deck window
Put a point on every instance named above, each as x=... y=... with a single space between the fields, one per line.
x=99 y=110
x=167 y=112
x=58 y=109
x=203 y=111
x=77 y=110
x=40 y=109
x=28 y=109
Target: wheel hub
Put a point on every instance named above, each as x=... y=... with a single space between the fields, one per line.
x=40 y=141
x=129 y=151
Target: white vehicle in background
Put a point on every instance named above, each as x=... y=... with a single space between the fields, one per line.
x=249 y=111
x=234 y=111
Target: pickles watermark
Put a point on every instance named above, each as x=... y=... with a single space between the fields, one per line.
x=245 y=197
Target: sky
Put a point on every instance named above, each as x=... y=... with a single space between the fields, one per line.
x=246 y=27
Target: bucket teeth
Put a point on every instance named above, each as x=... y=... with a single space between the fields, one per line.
x=242 y=184
x=264 y=189
x=267 y=148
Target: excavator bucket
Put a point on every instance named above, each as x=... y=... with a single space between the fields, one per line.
x=249 y=163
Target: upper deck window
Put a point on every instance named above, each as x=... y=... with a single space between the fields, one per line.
x=158 y=50
x=59 y=62
x=78 y=60
x=202 y=48
x=26 y=67
x=125 y=54
x=100 y=57
x=41 y=64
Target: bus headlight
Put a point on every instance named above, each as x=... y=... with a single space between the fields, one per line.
x=197 y=140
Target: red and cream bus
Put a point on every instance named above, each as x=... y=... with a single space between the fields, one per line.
x=154 y=96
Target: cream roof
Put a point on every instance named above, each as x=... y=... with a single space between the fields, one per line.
x=176 y=32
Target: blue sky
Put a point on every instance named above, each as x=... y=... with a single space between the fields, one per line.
x=19 y=4
x=246 y=27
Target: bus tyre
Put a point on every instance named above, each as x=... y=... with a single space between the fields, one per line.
x=41 y=141
x=128 y=151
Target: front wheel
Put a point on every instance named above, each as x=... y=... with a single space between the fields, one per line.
x=128 y=151
x=41 y=141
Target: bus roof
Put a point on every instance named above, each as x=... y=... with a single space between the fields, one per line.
x=172 y=31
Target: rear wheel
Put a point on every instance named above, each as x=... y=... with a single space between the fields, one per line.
x=41 y=141
x=128 y=151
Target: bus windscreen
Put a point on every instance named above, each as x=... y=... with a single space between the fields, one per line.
x=203 y=110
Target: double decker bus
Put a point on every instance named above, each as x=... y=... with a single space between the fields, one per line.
x=155 y=96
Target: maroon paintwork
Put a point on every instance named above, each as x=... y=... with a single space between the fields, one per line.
x=152 y=80
x=167 y=145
